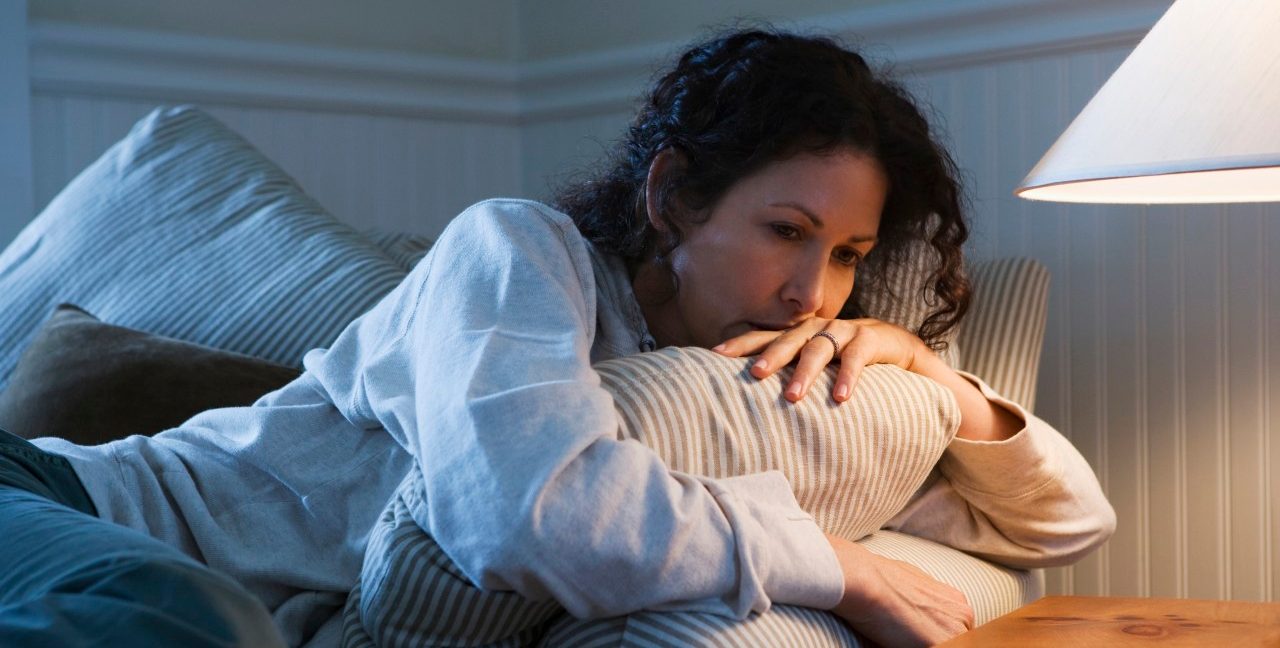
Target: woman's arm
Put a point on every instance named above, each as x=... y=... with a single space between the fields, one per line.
x=1027 y=501
x=894 y=603
x=980 y=418
x=479 y=366
x=1013 y=490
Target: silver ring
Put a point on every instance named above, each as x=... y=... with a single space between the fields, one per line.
x=830 y=338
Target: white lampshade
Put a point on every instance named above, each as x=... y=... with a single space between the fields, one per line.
x=1192 y=116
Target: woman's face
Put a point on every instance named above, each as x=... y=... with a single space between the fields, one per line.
x=781 y=246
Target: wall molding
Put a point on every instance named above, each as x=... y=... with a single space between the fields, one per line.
x=102 y=61
x=918 y=36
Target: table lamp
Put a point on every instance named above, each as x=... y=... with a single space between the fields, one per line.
x=1191 y=116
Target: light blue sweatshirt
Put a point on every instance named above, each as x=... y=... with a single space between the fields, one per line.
x=478 y=366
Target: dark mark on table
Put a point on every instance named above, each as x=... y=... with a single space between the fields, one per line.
x=1144 y=630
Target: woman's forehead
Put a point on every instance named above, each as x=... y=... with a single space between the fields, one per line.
x=840 y=192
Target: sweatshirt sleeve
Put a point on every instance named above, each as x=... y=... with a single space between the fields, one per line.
x=1028 y=501
x=478 y=364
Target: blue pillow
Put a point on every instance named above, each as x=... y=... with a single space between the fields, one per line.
x=404 y=248
x=183 y=229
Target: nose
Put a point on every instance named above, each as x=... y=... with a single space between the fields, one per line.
x=805 y=289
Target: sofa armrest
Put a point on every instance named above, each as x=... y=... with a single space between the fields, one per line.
x=992 y=590
x=1001 y=339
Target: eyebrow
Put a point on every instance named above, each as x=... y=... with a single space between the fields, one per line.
x=817 y=222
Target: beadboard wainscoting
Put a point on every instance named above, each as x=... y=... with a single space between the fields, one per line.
x=388 y=172
x=1160 y=359
x=1162 y=356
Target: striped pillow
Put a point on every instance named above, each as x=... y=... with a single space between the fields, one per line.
x=403 y=248
x=992 y=592
x=852 y=466
x=183 y=229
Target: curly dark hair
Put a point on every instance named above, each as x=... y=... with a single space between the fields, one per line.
x=735 y=103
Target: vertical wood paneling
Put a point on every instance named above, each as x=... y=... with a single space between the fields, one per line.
x=1141 y=398
x=383 y=172
x=1164 y=456
x=1010 y=153
x=1085 y=367
x=47 y=115
x=16 y=172
x=555 y=152
x=984 y=120
x=1244 y=422
x=1119 y=392
x=1271 y=460
x=1201 y=270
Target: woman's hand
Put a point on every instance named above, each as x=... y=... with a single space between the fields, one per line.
x=857 y=343
x=895 y=604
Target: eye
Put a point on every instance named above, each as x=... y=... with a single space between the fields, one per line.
x=786 y=231
x=848 y=256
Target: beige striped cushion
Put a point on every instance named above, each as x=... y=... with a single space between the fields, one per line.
x=992 y=591
x=1004 y=331
x=852 y=466
x=782 y=625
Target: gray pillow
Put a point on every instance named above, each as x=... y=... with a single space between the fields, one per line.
x=92 y=382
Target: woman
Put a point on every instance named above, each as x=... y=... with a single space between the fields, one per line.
x=468 y=391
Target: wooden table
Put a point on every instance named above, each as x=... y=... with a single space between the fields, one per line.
x=1087 y=621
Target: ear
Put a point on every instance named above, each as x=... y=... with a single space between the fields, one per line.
x=666 y=162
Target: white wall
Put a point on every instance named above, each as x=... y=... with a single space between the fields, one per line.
x=473 y=29
x=1162 y=358
x=16 y=201
x=386 y=172
x=574 y=27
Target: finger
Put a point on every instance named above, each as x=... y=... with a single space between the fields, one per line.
x=968 y=612
x=746 y=344
x=783 y=349
x=815 y=355
x=846 y=380
x=853 y=358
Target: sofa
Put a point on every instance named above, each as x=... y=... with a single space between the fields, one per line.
x=183 y=270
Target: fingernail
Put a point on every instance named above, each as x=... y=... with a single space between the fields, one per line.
x=761 y=364
x=718 y=347
x=842 y=392
x=794 y=390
